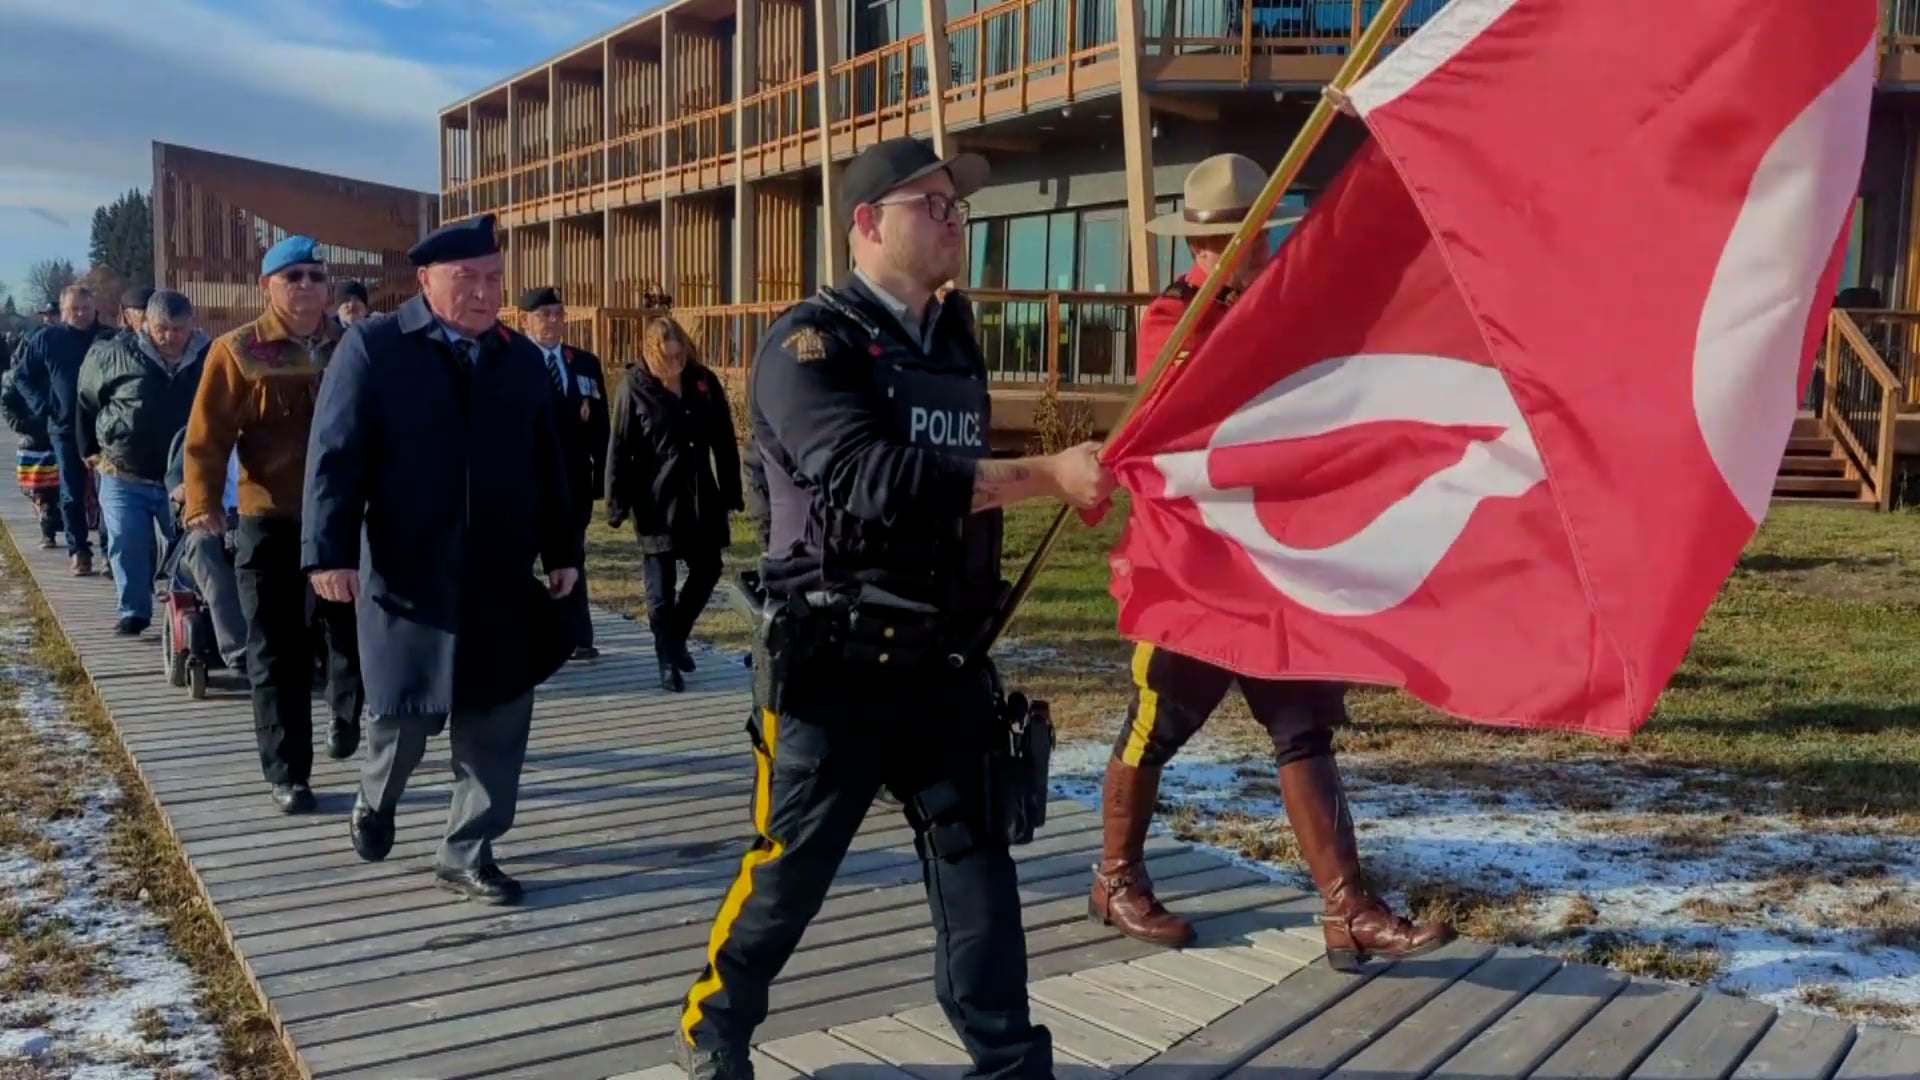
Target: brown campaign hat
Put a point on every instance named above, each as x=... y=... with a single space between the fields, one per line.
x=1216 y=198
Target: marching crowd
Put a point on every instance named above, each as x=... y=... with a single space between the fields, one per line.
x=369 y=494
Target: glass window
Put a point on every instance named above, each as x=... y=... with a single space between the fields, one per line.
x=986 y=254
x=1103 y=251
x=1027 y=253
x=1061 y=248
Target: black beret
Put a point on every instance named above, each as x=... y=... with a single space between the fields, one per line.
x=350 y=290
x=468 y=239
x=136 y=297
x=535 y=299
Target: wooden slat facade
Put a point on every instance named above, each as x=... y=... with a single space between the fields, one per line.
x=215 y=215
x=631 y=823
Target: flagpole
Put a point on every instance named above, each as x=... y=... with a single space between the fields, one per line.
x=1295 y=159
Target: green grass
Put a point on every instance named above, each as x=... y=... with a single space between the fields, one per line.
x=1803 y=684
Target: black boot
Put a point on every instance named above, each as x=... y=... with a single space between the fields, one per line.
x=670 y=679
x=715 y=1062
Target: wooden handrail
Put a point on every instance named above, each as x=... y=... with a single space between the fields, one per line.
x=1852 y=418
x=1868 y=356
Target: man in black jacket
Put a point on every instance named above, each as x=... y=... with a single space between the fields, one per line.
x=580 y=411
x=49 y=373
x=133 y=395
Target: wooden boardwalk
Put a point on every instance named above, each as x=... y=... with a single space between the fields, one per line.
x=632 y=821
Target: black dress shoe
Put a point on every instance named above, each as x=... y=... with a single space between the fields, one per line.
x=131 y=626
x=486 y=885
x=372 y=831
x=670 y=679
x=682 y=659
x=293 y=798
x=343 y=738
x=585 y=652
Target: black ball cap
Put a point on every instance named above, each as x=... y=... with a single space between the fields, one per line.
x=350 y=290
x=894 y=163
x=136 y=297
x=535 y=299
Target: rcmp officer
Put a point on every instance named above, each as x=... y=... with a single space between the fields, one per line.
x=434 y=481
x=1174 y=695
x=580 y=411
x=870 y=411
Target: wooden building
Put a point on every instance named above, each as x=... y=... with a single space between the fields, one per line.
x=692 y=150
x=215 y=215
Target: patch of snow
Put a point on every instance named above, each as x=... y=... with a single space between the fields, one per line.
x=98 y=1034
x=1671 y=861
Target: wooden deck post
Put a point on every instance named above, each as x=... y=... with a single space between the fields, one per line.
x=833 y=244
x=670 y=149
x=933 y=15
x=1136 y=132
x=746 y=82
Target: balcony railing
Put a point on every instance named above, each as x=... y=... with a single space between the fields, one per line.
x=1007 y=48
x=875 y=95
x=1269 y=27
x=1895 y=337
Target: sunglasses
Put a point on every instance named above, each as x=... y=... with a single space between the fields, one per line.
x=296 y=277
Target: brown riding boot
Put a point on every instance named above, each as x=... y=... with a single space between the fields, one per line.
x=1122 y=893
x=1357 y=926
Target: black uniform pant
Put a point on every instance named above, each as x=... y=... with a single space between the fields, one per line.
x=670 y=615
x=279 y=606
x=819 y=763
x=1173 y=695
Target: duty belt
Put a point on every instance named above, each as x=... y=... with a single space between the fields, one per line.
x=868 y=627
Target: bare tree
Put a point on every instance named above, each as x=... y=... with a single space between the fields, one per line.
x=46 y=278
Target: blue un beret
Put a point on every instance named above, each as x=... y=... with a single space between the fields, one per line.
x=467 y=239
x=292 y=251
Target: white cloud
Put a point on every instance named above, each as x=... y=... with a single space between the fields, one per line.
x=90 y=86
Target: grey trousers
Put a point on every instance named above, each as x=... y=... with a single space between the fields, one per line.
x=207 y=569
x=489 y=748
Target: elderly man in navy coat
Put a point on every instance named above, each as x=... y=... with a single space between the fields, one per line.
x=435 y=478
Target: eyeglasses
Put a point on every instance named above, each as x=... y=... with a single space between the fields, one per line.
x=939 y=207
x=296 y=277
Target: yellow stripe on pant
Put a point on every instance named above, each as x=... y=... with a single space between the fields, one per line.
x=1147 y=714
x=763 y=852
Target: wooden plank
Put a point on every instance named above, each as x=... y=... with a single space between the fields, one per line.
x=907 y=1048
x=1144 y=986
x=1536 y=1027
x=1346 y=1026
x=658 y=1072
x=1229 y=1043
x=1882 y=1054
x=1620 y=1034
x=1192 y=969
x=931 y=1021
x=1799 y=1046
x=1423 y=1040
x=1120 y=1014
x=820 y=1054
x=1710 y=1042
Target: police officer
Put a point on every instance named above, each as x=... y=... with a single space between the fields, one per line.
x=1174 y=694
x=870 y=411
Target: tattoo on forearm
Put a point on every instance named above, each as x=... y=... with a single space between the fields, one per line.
x=994 y=481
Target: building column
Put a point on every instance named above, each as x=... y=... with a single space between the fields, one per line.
x=553 y=175
x=833 y=245
x=606 y=177
x=669 y=112
x=1136 y=130
x=933 y=15
x=746 y=82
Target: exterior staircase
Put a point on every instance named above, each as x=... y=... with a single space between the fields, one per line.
x=1816 y=472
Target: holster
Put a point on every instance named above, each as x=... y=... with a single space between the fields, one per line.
x=868 y=628
x=1019 y=756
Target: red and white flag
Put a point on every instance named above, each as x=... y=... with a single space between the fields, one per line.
x=1498 y=421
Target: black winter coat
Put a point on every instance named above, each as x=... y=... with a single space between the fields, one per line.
x=50 y=371
x=129 y=407
x=673 y=464
x=441 y=485
x=29 y=425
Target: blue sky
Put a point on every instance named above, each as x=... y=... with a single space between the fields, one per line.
x=343 y=86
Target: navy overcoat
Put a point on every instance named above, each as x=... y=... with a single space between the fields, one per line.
x=442 y=484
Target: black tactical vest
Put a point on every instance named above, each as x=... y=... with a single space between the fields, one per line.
x=936 y=400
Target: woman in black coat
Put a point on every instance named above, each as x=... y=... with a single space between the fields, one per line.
x=673 y=466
